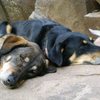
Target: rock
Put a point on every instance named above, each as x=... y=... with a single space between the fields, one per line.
x=97 y=41
x=67 y=12
x=92 y=20
x=2 y=12
x=81 y=82
x=93 y=15
x=98 y=1
x=17 y=9
x=92 y=5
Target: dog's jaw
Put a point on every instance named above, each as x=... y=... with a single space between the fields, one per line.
x=92 y=59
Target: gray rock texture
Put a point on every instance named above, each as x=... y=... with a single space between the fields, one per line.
x=79 y=82
x=98 y=1
x=67 y=12
x=92 y=20
x=13 y=10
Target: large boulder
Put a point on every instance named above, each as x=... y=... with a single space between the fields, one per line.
x=67 y=12
x=98 y=1
x=2 y=12
x=92 y=20
x=13 y=10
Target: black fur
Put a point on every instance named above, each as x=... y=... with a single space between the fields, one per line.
x=54 y=36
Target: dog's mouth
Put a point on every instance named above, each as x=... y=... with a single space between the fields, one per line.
x=90 y=59
x=13 y=77
x=93 y=62
x=16 y=80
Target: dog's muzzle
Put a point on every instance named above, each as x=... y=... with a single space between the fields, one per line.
x=11 y=81
x=15 y=66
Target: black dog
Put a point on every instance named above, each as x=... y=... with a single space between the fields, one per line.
x=61 y=46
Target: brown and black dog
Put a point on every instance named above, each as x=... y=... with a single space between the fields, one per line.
x=61 y=46
x=20 y=59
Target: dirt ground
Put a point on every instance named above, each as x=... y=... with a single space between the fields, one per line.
x=69 y=83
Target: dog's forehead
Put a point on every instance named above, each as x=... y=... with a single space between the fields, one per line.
x=77 y=38
x=22 y=52
x=81 y=35
x=77 y=35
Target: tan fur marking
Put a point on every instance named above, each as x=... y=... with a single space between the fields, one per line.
x=6 y=67
x=81 y=59
x=8 y=29
x=72 y=58
x=12 y=70
x=90 y=38
x=86 y=58
x=0 y=66
x=47 y=62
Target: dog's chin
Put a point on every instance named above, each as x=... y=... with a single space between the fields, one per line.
x=16 y=85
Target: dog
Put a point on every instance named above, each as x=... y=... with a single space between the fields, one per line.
x=60 y=45
x=20 y=59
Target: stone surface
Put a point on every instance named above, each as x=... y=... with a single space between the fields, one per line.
x=2 y=12
x=92 y=20
x=80 y=82
x=67 y=12
x=98 y=1
x=92 y=5
x=16 y=9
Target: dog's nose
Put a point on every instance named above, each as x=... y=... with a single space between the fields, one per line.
x=10 y=80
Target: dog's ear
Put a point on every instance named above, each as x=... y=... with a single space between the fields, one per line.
x=55 y=54
x=12 y=41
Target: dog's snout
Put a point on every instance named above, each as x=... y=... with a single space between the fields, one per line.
x=10 y=80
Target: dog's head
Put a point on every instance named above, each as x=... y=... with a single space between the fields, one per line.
x=74 y=48
x=17 y=58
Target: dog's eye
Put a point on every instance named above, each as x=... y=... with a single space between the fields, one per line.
x=84 y=42
x=62 y=50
